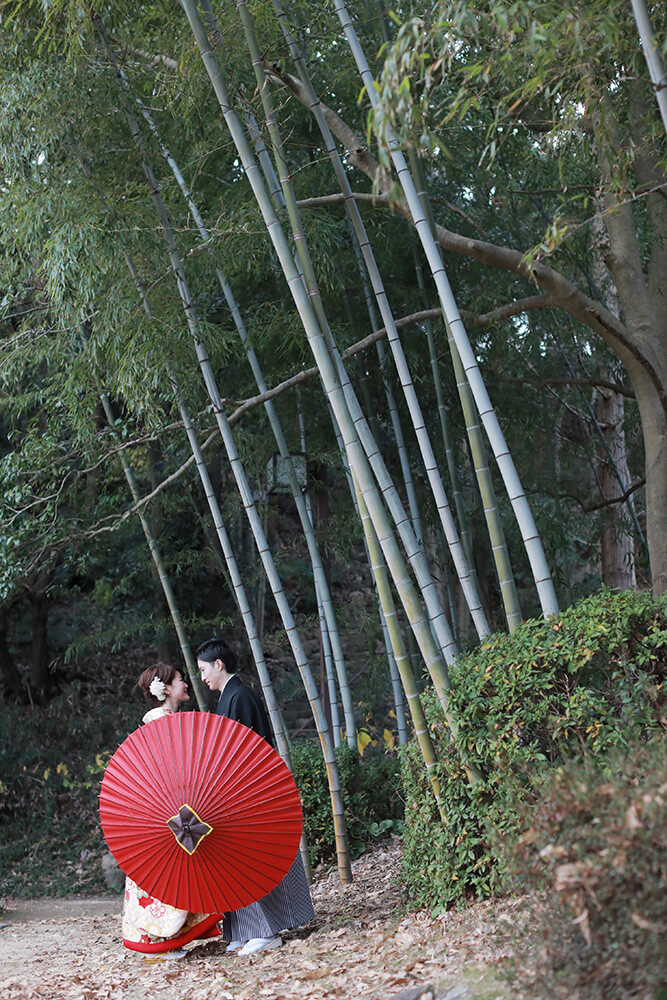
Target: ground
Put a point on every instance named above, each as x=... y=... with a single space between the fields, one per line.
x=362 y=944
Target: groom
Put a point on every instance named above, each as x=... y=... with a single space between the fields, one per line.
x=289 y=905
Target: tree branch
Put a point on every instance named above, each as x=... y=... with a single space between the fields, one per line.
x=382 y=199
x=565 y=294
x=157 y=60
x=614 y=500
x=541 y=383
x=485 y=319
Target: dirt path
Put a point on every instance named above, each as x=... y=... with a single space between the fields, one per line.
x=361 y=945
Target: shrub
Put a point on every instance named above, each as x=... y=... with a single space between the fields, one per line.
x=52 y=759
x=585 y=681
x=371 y=797
x=596 y=848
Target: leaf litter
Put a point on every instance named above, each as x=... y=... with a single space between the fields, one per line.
x=362 y=943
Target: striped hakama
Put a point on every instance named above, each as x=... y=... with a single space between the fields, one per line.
x=288 y=905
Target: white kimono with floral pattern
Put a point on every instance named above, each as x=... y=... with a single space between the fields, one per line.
x=149 y=925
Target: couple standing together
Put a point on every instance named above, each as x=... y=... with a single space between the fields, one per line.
x=153 y=927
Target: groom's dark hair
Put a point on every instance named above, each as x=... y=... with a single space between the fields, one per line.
x=216 y=649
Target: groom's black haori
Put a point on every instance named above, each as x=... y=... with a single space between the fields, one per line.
x=289 y=904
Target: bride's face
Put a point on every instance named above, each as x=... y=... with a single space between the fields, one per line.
x=177 y=692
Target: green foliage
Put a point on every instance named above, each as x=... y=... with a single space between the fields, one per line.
x=595 y=851
x=584 y=682
x=51 y=764
x=371 y=796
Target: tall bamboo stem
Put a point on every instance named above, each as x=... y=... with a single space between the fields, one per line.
x=336 y=380
x=402 y=659
x=399 y=437
x=324 y=632
x=412 y=546
x=342 y=848
x=487 y=491
x=413 y=549
x=452 y=316
x=238 y=588
x=156 y=556
x=320 y=581
x=329 y=375
x=651 y=47
x=433 y=475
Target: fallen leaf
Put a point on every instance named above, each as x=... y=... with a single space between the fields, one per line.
x=582 y=923
x=647 y=925
x=632 y=820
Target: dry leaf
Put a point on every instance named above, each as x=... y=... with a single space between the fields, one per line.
x=551 y=851
x=568 y=877
x=647 y=925
x=582 y=923
x=607 y=789
x=632 y=821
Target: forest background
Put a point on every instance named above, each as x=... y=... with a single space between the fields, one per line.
x=535 y=149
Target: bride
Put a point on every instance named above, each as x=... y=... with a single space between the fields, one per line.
x=149 y=925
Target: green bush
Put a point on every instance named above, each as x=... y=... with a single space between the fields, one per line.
x=582 y=682
x=371 y=797
x=595 y=850
x=52 y=759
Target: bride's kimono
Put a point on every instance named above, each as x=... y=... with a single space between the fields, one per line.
x=151 y=926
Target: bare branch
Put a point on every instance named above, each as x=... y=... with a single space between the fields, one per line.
x=157 y=60
x=357 y=149
x=384 y=200
x=541 y=383
x=502 y=312
x=590 y=508
x=565 y=294
x=151 y=496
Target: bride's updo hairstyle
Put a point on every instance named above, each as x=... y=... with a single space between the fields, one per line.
x=164 y=672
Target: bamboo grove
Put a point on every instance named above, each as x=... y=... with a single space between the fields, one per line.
x=193 y=189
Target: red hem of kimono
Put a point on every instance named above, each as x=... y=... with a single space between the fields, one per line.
x=204 y=929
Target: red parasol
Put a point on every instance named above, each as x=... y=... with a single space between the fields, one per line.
x=201 y=812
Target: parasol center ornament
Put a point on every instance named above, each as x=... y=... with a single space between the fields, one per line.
x=188 y=828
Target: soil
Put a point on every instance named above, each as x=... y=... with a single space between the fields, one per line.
x=362 y=944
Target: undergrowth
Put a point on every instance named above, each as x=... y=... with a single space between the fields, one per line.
x=371 y=795
x=52 y=758
x=594 y=850
x=581 y=683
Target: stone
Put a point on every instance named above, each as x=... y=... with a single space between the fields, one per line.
x=423 y=992
x=113 y=875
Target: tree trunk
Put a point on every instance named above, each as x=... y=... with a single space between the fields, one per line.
x=616 y=539
x=9 y=672
x=654 y=432
x=39 y=658
x=617 y=547
x=642 y=301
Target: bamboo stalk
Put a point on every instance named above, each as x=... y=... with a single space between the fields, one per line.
x=238 y=588
x=324 y=633
x=342 y=847
x=330 y=378
x=307 y=272
x=452 y=316
x=412 y=547
x=487 y=491
x=320 y=581
x=399 y=437
x=156 y=555
x=651 y=46
x=433 y=475
x=402 y=659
